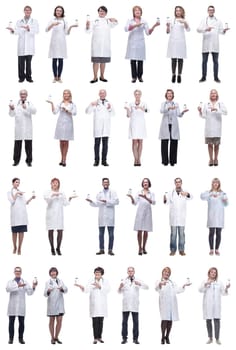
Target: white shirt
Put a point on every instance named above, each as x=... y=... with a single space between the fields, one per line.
x=18 y=208
x=106 y=211
x=130 y=292
x=26 y=38
x=98 y=297
x=210 y=40
x=213 y=119
x=178 y=206
x=16 y=305
x=23 y=120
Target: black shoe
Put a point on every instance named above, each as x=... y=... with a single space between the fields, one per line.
x=135 y=341
x=15 y=164
x=60 y=163
x=141 y=80
x=202 y=79
x=162 y=340
x=10 y=341
x=110 y=252
x=173 y=78
x=53 y=251
x=167 y=340
x=53 y=341
x=144 y=251
x=29 y=164
x=102 y=79
x=58 y=341
x=58 y=253
x=63 y=164
x=93 y=81
x=95 y=341
x=21 y=341
x=101 y=341
x=105 y=163
x=30 y=80
x=21 y=80
x=133 y=80
x=101 y=251
x=95 y=163
x=178 y=78
x=217 y=80
x=124 y=341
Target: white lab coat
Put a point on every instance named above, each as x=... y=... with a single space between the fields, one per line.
x=18 y=209
x=101 y=37
x=213 y=119
x=16 y=305
x=168 y=301
x=98 y=298
x=169 y=117
x=136 y=49
x=216 y=205
x=64 y=128
x=54 y=211
x=143 y=218
x=177 y=43
x=23 y=120
x=210 y=40
x=57 y=48
x=106 y=211
x=26 y=39
x=212 y=299
x=101 y=118
x=137 y=125
x=178 y=207
x=55 y=301
x=130 y=292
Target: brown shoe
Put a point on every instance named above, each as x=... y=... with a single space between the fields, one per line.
x=182 y=253
x=172 y=253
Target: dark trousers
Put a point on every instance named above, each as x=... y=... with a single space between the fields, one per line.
x=136 y=69
x=169 y=155
x=212 y=232
x=216 y=328
x=57 y=67
x=24 y=67
x=101 y=237
x=174 y=62
x=125 y=317
x=97 y=142
x=21 y=329
x=215 y=57
x=97 y=327
x=17 y=151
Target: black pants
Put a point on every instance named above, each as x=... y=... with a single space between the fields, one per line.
x=174 y=62
x=97 y=327
x=24 y=67
x=125 y=317
x=97 y=142
x=169 y=155
x=136 y=69
x=17 y=151
x=21 y=329
x=57 y=67
x=216 y=328
x=212 y=232
x=215 y=57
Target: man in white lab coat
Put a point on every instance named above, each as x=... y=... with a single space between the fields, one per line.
x=105 y=201
x=130 y=287
x=22 y=112
x=211 y=27
x=25 y=28
x=16 y=307
x=102 y=112
x=177 y=199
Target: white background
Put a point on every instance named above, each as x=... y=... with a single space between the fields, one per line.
x=80 y=241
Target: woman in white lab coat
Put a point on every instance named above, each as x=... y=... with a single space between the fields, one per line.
x=54 y=291
x=136 y=50
x=168 y=305
x=212 y=113
x=57 y=49
x=216 y=200
x=137 y=127
x=56 y=200
x=177 y=44
x=143 y=219
x=98 y=289
x=213 y=290
x=169 y=128
x=19 y=218
x=64 y=129
x=101 y=42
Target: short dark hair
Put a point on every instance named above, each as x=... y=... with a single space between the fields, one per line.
x=105 y=179
x=149 y=182
x=99 y=269
x=53 y=269
x=211 y=7
x=103 y=8
x=28 y=7
x=63 y=11
x=15 y=179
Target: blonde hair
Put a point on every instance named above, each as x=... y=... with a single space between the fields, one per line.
x=218 y=181
x=213 y=268
x=217 y=96
x=166 y=269
x=69 y=92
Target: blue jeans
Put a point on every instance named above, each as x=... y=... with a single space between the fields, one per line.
x=125 y=317
x=173 y=238
x=215 y=57
x=101 y=237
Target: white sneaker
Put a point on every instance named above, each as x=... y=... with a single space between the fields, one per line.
x=218 y=342
x=54 y=81
x=209 y=341
x=59 y=80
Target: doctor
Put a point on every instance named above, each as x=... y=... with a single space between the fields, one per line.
x=26 y=28
x=22 y=111
x=210 y=27
x=98 y=288
x=54 y=291
x=105 y=201
x=101 y=42
x=102 y=112
x=130 y=287
x=177 y=200
x=16 y=306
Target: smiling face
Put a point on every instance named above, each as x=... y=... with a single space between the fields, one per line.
x=178 y=12
x=55 y=185
x=66 y=95
x=16 y=183
x=97 y=275
x=212 y=274
x=23 y=95
x=178 y=183
x=145 y=184
x=166 y=273
x=102 y=94
x=215 y=185
x=27 y=12
x=105 y=184
x=213 y=95
x=169 y=95
x=131 y=271
x=211 y=11
x=59 y=12
x=17 y=272
x=53 y=274
x=101 y=13
x=137 y=95
x=137 y=12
